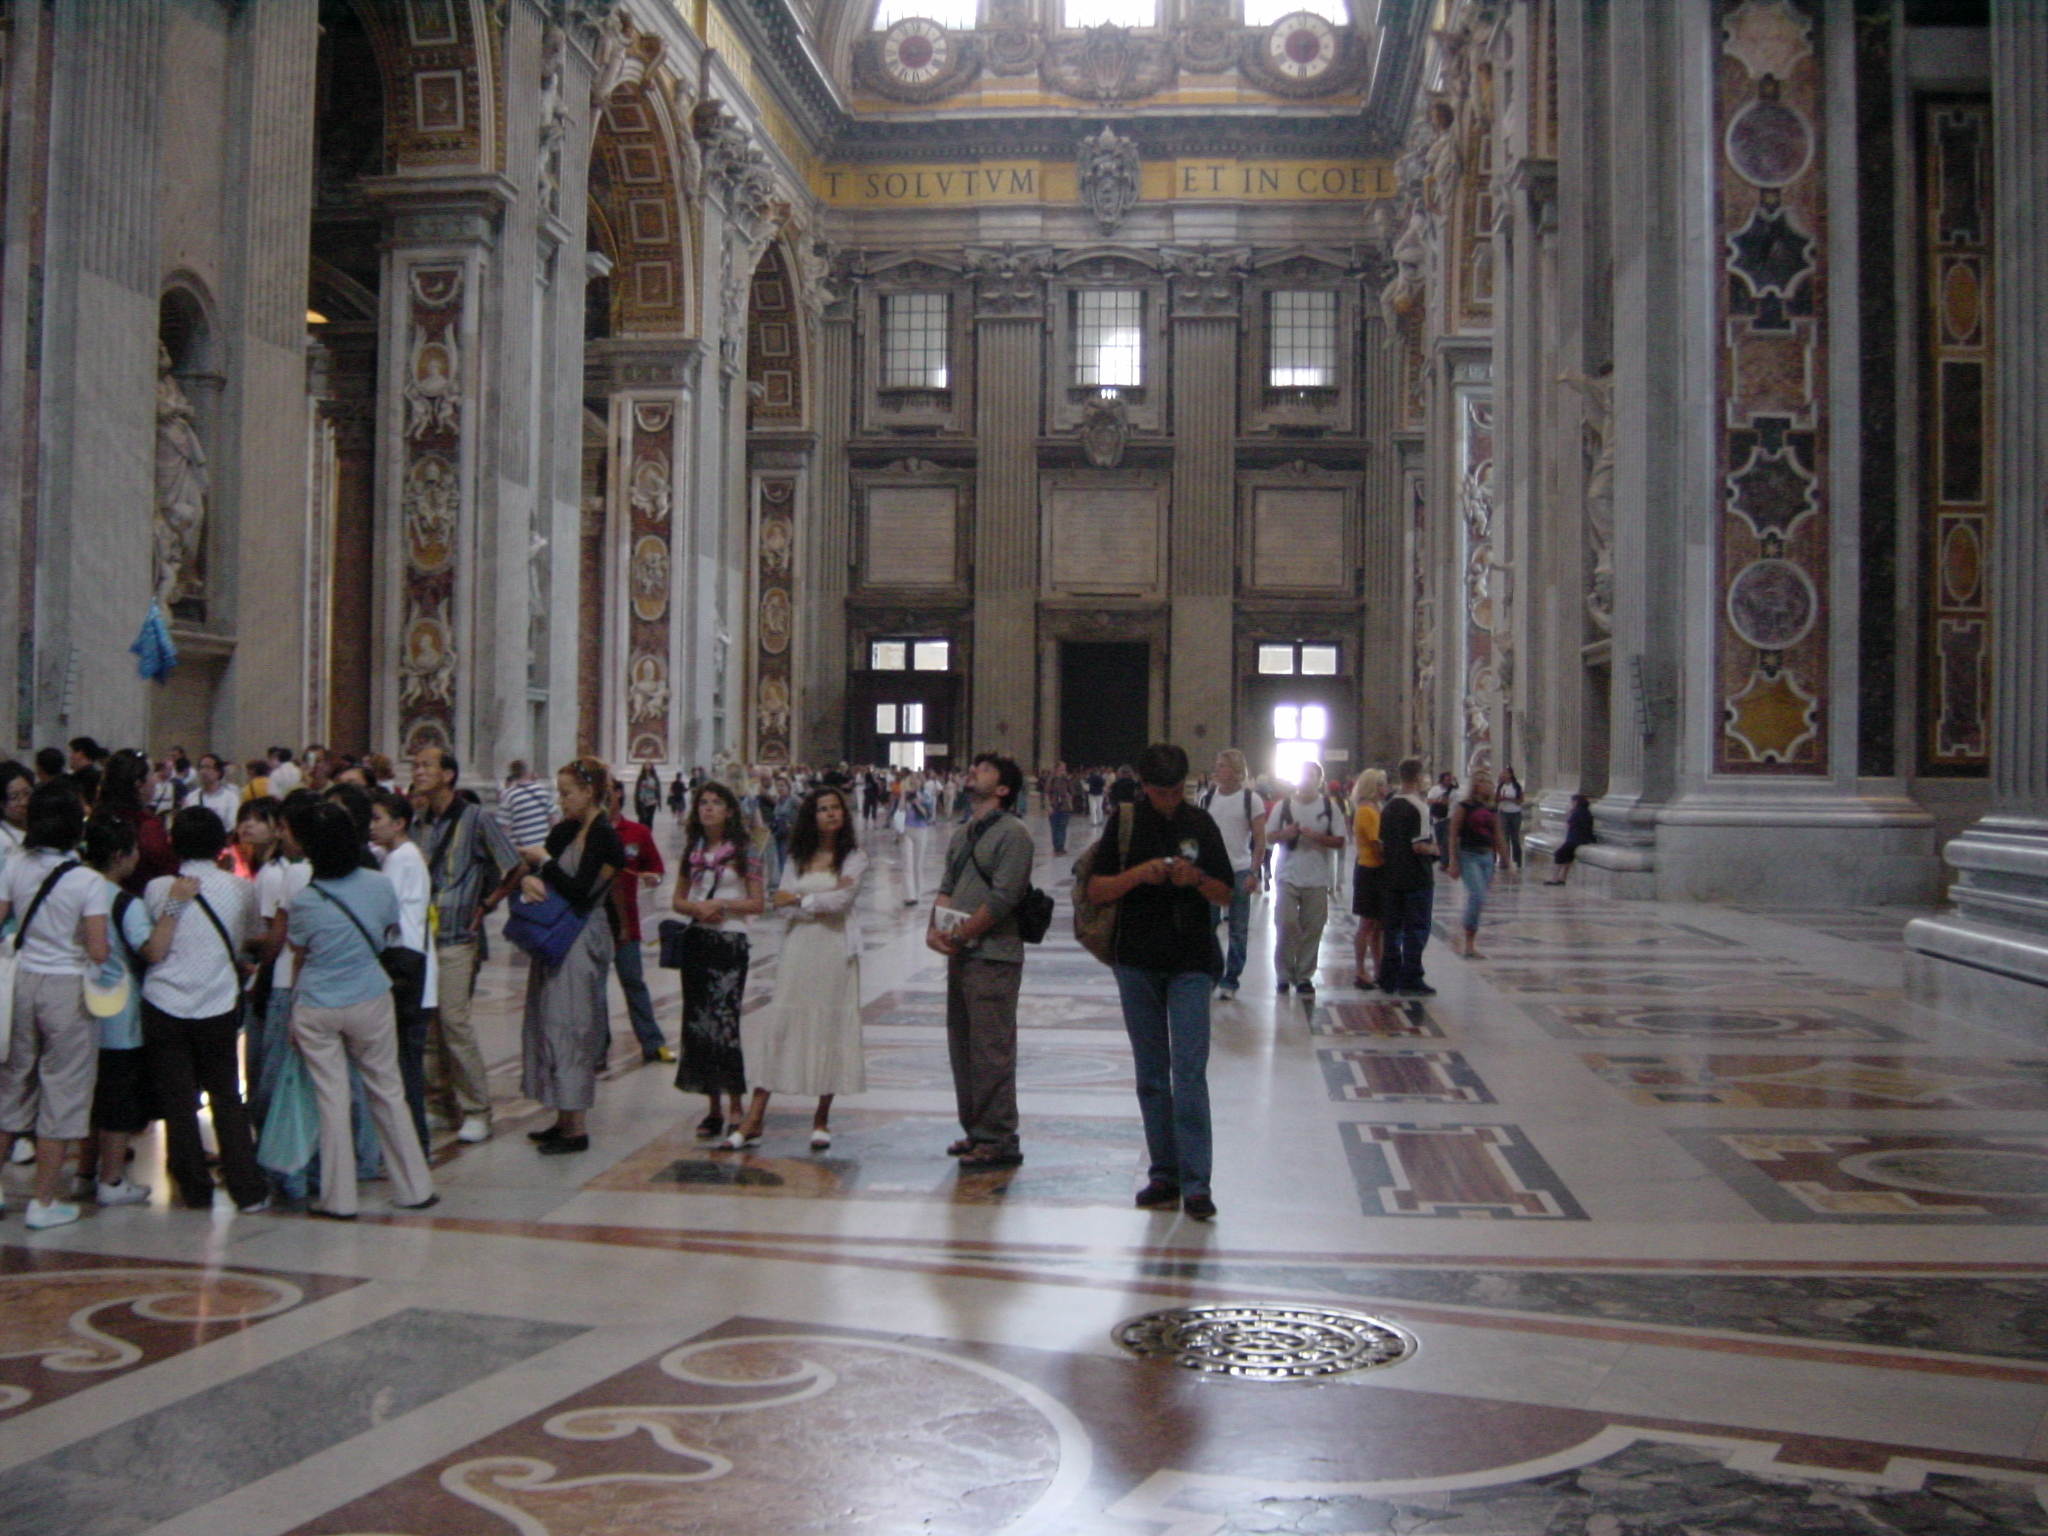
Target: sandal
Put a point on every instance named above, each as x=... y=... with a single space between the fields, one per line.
x=959 y=1148
x=710 y=1128
x=739 y=1141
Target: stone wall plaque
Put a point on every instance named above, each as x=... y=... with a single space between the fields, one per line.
x=1103 y=538
x=911 y=535
x=1298 y=540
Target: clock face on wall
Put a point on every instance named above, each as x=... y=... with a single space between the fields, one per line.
x=1301 y=46
x=916 y=51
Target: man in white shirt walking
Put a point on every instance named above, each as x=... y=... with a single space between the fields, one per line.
x=1240 y=816
x=215 y=793
x=1305 y=829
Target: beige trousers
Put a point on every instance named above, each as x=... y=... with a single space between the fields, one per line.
x=455 y=1059
x=367 y=1032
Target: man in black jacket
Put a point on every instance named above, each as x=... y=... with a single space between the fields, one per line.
x=1410 y=854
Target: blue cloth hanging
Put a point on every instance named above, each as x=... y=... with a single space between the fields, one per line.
x=155 y=655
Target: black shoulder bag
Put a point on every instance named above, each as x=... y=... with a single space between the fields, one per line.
x=49 y=884
x=1034 y=908
x=406 y=967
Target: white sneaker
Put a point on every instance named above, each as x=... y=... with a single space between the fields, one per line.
x=821 y=1139
x=474 y=1128
x=57 y=1213
x=127 y=1192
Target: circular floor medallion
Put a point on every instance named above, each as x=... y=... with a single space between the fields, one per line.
x=1674 y=1021
x=1979 y=1172
x=1266 y=1343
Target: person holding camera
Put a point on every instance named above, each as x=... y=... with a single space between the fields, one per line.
x=1164 y=885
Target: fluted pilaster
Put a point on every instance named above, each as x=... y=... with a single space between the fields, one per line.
x=1202 y=546
x=1005 y=537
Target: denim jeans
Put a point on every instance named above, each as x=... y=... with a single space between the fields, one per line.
x=1406 y=931
x=629 y=960
x=1239 y=915
x=1475 y=873
x=1059 y=831
x=1166 y=1014
x=1511 y=829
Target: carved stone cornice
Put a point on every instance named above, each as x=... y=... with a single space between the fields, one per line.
x=1009 y=282
x=614 y=366
x=1109 y=64
x=443 y=210
x=1206 y=282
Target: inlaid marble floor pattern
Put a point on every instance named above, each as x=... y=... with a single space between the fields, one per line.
x=1698 y=1225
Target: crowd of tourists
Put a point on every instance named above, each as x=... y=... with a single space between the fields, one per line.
x=298 y=944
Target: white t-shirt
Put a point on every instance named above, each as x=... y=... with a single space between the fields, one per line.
x=1234 y=821
x=224 y=800
x=197 y=979
x=276 y=884
x=51 y=946
x=406 y=868
x=1299 y=863
x=284 y=778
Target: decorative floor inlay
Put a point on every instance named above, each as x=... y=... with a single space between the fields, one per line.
x=1720 y=1021
x=1270 y=1342
x=1039 y=1067
x=748 y=1431
x=1622 y=1483
x=1734 y=979
x=1483 y=1172
x=143 y=1472
x=69 y=1321
x=1395 y=1077
x=879 y=1155
x=1825 y=1082
x=927 y=1009
x=1841 y=1176
x=1392 y=1021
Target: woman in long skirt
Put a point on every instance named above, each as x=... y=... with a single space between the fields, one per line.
x=807 y=1040
x=718 y=887
x=565 y=1019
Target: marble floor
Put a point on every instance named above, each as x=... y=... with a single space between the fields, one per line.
x=1699 y=1228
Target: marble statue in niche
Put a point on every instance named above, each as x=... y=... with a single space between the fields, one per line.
x=426 y=673
x=647 y=693
x=553 y=114
x=1598 y=393
x=182 y=483
x=433 y=397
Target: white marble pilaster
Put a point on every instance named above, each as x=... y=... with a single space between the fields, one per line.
x=1988 y=959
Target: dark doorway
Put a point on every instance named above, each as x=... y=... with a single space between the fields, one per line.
x=1105 y=700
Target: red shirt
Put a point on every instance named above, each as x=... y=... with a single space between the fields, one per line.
x=642 y=858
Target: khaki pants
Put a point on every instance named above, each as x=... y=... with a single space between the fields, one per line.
x=52 y=1061
x=1299 y=912
x=981 y=1041
x=367 y=1033
x=455 y=1061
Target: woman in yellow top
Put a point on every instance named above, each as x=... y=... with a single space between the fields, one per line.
x=1367 y=895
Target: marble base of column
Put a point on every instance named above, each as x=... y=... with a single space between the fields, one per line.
x=1777 y=844
x=1986 y=962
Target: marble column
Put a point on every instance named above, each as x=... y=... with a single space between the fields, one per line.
x=1988 y=959
x=1382 y=741
x=1009 y=377
x=1202 y=542
x=826 y=549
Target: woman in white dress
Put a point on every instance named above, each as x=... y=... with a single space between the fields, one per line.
x=807 y=1040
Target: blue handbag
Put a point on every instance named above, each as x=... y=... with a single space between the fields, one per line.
x=546 y=929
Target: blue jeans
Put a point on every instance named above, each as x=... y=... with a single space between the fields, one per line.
x=1405 y=931
x=630 y=962
x=1166 y=1014
x=1059 y=830
x=1239 y=916
x=1511 y=829
x=1475 y=873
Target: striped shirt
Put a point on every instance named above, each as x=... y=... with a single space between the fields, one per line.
x=526 y=810
x=467 y=853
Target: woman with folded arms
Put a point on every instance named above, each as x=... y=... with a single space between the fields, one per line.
x=807 y=1040
x=566 y=1023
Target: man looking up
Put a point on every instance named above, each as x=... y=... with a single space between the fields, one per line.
x=1410 y=853
x=469 y=859
x=1166 y=959
x=988 y=869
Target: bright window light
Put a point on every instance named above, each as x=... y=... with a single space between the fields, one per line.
x=931 y=656
x=914 y=337
x=1315 y=723
x=1277 y=660
x=1301 y=339
x=913 y=719
x=1319 y=660
x=885 y=719
x=953 y=15
x=1109 y=338
x=1286 y=722
x=1289 y=757
x=907 y=754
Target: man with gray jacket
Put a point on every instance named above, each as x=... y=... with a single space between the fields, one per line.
x=974 y=925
